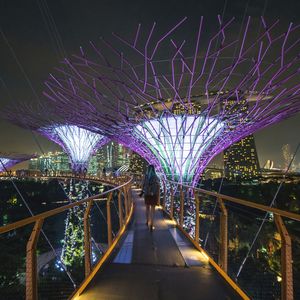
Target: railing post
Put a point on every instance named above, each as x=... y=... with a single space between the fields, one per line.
x=158 y=203
x=31 y=262
x=286 y=260
x=120 y=208
x=223 y=251
x=126 y=201
x=108 y=214
x=87 y=240
x=197 y=221
x=129 y=196
x=172 y=202
x=181 y=206
x=165 y=194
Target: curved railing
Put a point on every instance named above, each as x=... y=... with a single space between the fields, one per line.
x=215 y=224
x=119 y=197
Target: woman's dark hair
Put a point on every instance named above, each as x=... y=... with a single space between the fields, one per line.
x=151 y=171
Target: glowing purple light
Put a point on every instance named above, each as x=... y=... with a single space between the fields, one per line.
x=229 y=88
x=9 y=161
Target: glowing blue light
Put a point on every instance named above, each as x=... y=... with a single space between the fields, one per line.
x=4 y=162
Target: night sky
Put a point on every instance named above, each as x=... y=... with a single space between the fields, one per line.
x=36 y=34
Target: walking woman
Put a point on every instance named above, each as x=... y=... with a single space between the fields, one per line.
x=151 y=192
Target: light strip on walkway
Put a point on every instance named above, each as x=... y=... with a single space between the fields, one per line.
x=125 y=253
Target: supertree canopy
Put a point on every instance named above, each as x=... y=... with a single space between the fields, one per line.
x=180 y=100
x=9 y=160
x=78 y=143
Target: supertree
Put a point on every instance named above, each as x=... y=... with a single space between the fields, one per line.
x=79 y=144
x=178 y=104
x=9 y=160
x=51 y=122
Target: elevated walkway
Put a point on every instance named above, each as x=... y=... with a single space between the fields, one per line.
x=158 y=265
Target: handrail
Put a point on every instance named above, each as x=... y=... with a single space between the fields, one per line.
x=222 y=264
x=261 y=207
x=123 y=188
x=56 y=211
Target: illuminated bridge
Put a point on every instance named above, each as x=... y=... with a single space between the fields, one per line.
x=168 y=263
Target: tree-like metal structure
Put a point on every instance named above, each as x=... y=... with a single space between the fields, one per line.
x=79 y=144
x=179 y=103
x=9 y=160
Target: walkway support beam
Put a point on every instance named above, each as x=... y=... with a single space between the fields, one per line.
x=181 y=206
x=31 y=262
x=286 y=260
x=108 y=216
x=223 y=250
x=87 y=240
x=172 y=202
x=197 y=221
x=126 y=201
x=120 y=209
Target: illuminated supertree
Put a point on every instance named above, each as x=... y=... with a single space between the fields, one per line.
x=9 y=160
x=178 y=104
x=79 y=144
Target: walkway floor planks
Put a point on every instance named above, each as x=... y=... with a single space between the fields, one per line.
x=157 y=270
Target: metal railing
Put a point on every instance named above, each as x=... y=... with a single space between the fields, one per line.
x=211 y=221
x=118 y=197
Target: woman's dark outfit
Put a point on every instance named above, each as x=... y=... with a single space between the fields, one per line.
x=151 y=190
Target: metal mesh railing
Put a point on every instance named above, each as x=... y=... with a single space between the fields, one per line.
x=13 y=263
x=254 y=244
x=57 y=249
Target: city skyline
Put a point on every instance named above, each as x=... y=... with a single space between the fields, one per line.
x=45 y=53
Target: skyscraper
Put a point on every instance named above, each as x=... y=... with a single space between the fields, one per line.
x=241 y=161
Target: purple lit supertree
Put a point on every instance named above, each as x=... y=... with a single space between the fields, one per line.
x=79 y=144
x=180 y=103
x=9 y=160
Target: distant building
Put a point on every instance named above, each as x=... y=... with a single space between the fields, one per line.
x=137 y=164
x=269 y=165
x=240 y=159
x=52 y=161
x=112 y=156
x=213 y=173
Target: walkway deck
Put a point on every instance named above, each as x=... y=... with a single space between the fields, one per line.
x=158 y=265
